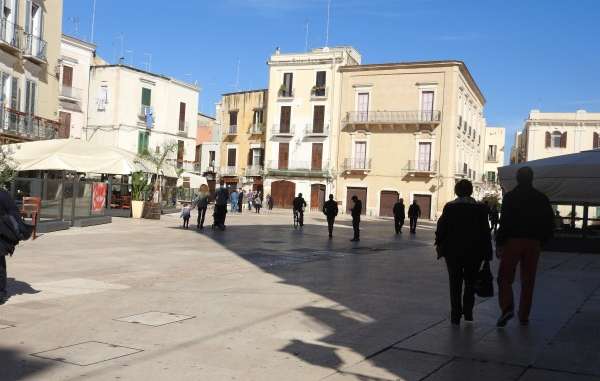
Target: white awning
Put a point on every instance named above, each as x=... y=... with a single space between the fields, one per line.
x=195 y=180
x=566 y=178
x=79 y=156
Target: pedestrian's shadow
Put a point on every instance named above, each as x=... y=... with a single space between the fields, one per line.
x=17 y=287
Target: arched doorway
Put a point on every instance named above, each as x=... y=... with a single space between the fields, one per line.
x=283 y=193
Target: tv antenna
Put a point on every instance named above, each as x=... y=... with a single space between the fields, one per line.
x=237 y=76
x=306 y=37
x=75 y=21
x=93 y=21
x=130 y=52
x=327 y=28
x=148 y=61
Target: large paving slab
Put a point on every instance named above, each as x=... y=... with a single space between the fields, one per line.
x=272 y=303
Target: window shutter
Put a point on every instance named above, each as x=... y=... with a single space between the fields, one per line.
x=28 y=16
x=548 y=139
x=563 y=140
x=596 y=140
x=321 y=78
x=249 y=157
x=146 y=97
x=262 y=156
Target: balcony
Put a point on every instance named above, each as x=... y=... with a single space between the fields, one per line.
x=70 y=93
x=354 y=164
x=35 y=49
x=231 y=131
x=282 y=131
x=316 y=131
x=25 y=127
x=255 y=170
x=319 y=93
x=285 y=93
x=365 y=118
x=492 y=158
x=10 y=36
x=184 y=127
x=298 y=169
x=257 y=129
x=229 y=171
x=421 y=168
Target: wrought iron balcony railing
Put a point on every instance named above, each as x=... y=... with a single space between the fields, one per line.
x=298 y=168
x=35 y=48
x=70 y=92
x=26 y=126
x=231 y=130
x=319 y=92
x=184 y=127
x=392 y=117
x=10 y=34
x=279 y=130
x=255 y=170
x=356 y=164
x=228 y=171
x=257 y=129
x=422 y=166
x=312 y=130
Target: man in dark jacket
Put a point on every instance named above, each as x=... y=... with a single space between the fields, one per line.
x=526 y=223
x=463 y=239
x=399 y=215
x=414 y=212
x=330 y=209
x=356 y=212
x=202 y=204
x=240 y=200
x=7 y=207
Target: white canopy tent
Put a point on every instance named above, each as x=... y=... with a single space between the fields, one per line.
x=571 y=178
x=79 y=156
x=196 y=181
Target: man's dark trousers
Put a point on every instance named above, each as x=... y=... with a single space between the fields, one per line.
x=356 y=227
x=201 y=214
x=398 y=223
x=2 y=276
x=330 y=221
x=460 y=270
x=413 y=224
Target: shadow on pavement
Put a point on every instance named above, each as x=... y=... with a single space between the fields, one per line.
x=16 y=365
x=18 y=287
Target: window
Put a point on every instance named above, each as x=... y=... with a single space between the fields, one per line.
x=231 y=156
x=491 y=153
x=34 y=21
x=180 y=153
x=556 y=139
x=181 y=116
x=256 y=157
x=319 y=89
x=424 y=161
x=65 y=125
x=465 y=168
x=360 y=155
x=596 y=142
x=491 y=177
x=143 y=140
x=317 y=157
x=286 y=89
x=67 y=78
x=4 y=88
x=211 y=158
x=318 y=119
x=233 y=116
x=459 y=122
x=146 y=97
x=284 y=153
x=257 y=119
x=363 y=107
x=198 y=154
x=30 y=97
x=284 y=120
x=102 y=99
x=427 y=105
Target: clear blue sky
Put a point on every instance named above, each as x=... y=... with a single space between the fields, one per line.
x=524 y=54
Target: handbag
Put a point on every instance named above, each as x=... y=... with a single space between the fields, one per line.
x=484 y=285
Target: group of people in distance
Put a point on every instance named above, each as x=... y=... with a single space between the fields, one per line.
x=464 y=240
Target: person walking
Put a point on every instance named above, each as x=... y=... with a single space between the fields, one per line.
x=221 y=199
x=494 y=218
x=233 y=197
x=399 y=215
x=270 y=202
x=356 y=212
x=202 y=204
x=257 y=203
x=251 y=196
x=526 y=223
x=240 y=200
x=414 y=212
x=12 y=230
x=299 y=204
x=463 y=239
x=330 y=209
x=186 y=213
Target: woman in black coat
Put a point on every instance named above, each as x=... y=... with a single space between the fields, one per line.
x=463 y=239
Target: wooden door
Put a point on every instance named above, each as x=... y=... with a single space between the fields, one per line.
x=317 y=196
x=424 y=202
x=231 y=156
x=284 y=151
x=361 y=193
x=65 y=125
x=284 y=121
x=180 y=152
x=181 y=116
x=318 y=119
x=386 y=203
x=67 y=79
x=283 y=193
x=317 y=157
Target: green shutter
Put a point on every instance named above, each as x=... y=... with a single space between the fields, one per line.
x=146 y=97
x=140 y=142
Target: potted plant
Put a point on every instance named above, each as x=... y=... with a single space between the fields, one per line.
x=139 y=186
x=158 y=160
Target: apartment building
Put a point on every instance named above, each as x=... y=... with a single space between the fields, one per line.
x=30 y=35
x=139 y=111
x=493 y=157
x=76 y=57
x=548 y=134
x=208 y=147
x=303 y=122
x=243 y=115
x=408 y=130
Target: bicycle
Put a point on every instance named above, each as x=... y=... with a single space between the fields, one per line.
x=298 y=218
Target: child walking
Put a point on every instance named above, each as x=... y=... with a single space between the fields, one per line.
x=185 y=214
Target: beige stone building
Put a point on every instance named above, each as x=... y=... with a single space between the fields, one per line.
x=242 y=116
x=30 y=37
x=493 y=157
x=408 y=130
x=548 y=134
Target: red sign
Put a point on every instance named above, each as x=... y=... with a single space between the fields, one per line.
x=98 y=197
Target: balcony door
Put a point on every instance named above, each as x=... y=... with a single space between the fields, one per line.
x=427 y=105
x=231 y=156
x=360 y=155
x=363 y=107
x=318 y=119
x=284 y=152
x=424 y=161
x=180 y=152
x=284 y=121
x=65 y=125
x=181 y=116
x=67 y=79
x=317 y=157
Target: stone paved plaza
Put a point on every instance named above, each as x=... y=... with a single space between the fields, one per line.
x=147 y=300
